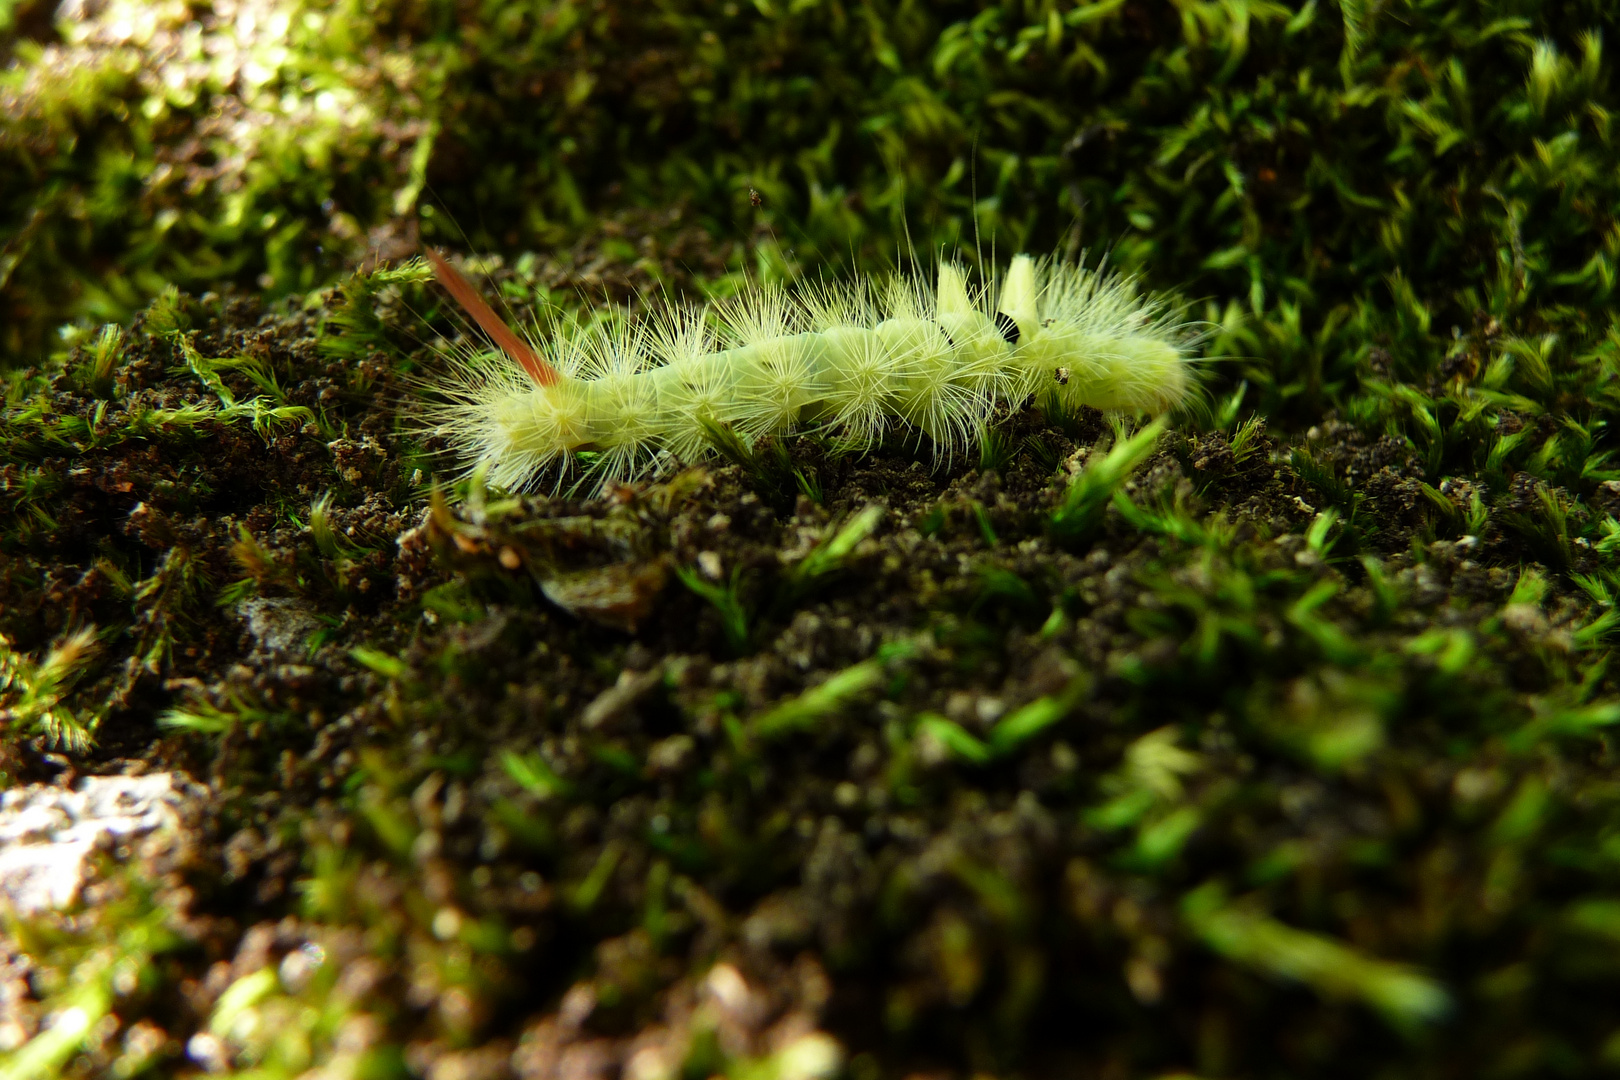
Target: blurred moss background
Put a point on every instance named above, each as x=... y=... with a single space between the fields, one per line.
x=1322 y=176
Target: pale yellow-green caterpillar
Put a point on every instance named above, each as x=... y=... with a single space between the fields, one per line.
x=855 y=359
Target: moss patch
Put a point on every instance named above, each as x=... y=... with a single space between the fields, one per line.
x=1274 y=740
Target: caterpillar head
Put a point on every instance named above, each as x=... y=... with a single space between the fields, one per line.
x=1087 y=338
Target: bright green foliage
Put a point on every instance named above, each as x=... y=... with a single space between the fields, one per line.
x=1080 y=512
x=727 y=602
x=829 y=556
x=1333 y=202
x=830 y=697
x=32 y=692
x=1267 y=945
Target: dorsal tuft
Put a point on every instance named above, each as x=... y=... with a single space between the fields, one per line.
x=1020 y=296
x=953 y=294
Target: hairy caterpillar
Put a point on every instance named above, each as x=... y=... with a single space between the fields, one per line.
x=855 y=359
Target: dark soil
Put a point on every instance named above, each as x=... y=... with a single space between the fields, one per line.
x=521 y=783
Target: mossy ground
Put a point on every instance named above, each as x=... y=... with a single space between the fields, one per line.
x=1275 y=741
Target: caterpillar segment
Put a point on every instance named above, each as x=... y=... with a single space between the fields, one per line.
x=856 y=359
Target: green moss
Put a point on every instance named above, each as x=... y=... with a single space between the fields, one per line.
x=1275 y=738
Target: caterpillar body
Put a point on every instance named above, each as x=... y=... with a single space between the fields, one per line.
x=856 y=359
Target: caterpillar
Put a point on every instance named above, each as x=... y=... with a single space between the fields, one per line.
x=856 y=359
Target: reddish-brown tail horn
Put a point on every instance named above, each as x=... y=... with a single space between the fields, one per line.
x=501 y=334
